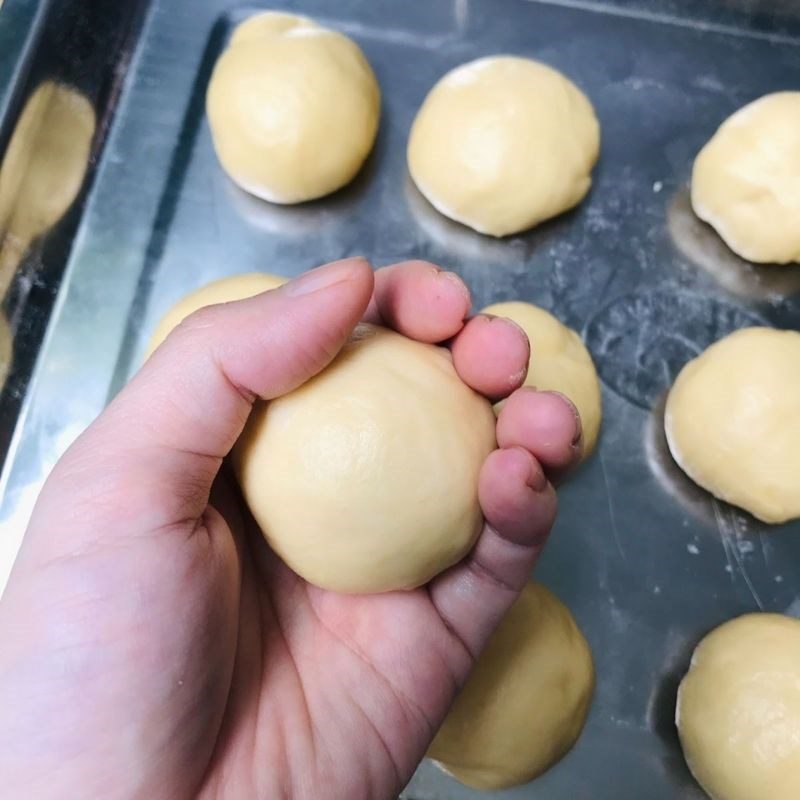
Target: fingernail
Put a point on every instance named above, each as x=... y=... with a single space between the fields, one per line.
x=322 y=277
x=452 y=277
x=575 y=413
x=537 y=480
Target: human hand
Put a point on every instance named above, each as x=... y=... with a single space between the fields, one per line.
x=152 y=646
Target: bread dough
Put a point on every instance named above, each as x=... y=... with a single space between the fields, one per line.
x=559 y=362
x=6 y=356
x=738 y=712
x=525 y=703
x=502 y=143
x=365 y=479
x=224 y=290
x=293 y=108
x=42 y=170
x=732 y=421
x=746 y=180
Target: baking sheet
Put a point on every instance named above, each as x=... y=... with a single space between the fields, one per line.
x=646 y=561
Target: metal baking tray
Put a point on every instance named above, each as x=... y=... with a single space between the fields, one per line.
x=646 y=561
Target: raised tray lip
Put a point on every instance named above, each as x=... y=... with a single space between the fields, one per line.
x=20 y=26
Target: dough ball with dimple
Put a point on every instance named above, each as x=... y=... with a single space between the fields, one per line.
x=365 y=479
x=525 y=703
x=503 y=143
x=224 y=290
x=293 y=108
x=746 y=180
x=559 y=362
x=732 y=421
x=738 y=712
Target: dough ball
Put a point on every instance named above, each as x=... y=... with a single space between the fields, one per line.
x=224 y=290
x=526 y=701
x=738 y=711
x=6 y=352
x=559 y=362
x=746 y=180
x=731 y=421
x=293 y=108
x=502 y=143
x=365 y=479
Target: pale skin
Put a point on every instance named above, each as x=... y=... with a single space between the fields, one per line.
x=151 y=646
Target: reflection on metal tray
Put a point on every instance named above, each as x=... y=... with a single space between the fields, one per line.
x=646 y=561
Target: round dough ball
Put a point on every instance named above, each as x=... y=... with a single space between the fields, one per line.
x=746 y=180
x=224 y=290
x=738 y=712
x=731 y=421
x=525 y=703
x=269 y=23
x=365 y=479
x=559 y=362
x=502 y=143
x=293 y=108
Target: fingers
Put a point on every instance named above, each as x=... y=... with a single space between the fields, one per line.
x=152 y=455
x=420 y=300
x=545 y=423
x=519 y=506
x=491 y=355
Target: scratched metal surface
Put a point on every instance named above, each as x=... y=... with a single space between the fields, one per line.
x=646 y=561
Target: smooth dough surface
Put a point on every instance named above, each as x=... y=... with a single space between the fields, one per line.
x=365 y=479
x=746 y=180
x=732 y=421
x=224 y=290
x=738 y=712
x=559 y=362
x=293 y=108
x=503 y=143
x=526 y=701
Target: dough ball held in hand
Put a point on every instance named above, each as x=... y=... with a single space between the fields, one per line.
x=526 y=700
x=732 y=421
x=293 y=108
x=224 y=290
x=559 y=362
x=502 y=143
x=365 y=478
x=746 y=180
x=738 y=712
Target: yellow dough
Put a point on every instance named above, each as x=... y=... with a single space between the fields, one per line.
x=293 y=108
x=224 y=290
x=738 y=712
x=42 y=170
x=6 y=350
x=746 y=180
x=365 y=479
x=525 y=703
x=732 y=421
x=559 y=362
x=503 y=143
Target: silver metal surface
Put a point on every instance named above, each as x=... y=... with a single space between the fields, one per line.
x=646 y=561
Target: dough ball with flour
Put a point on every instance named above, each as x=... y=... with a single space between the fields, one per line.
x=224 y=290
x=746 y=180
x=731 y=421
x=293 y=108
x=738 y=712
x=365 y=479
x=559 y=362
x=503 y=143
x=526 y=701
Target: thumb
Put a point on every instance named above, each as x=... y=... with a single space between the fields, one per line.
x=149 y=460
